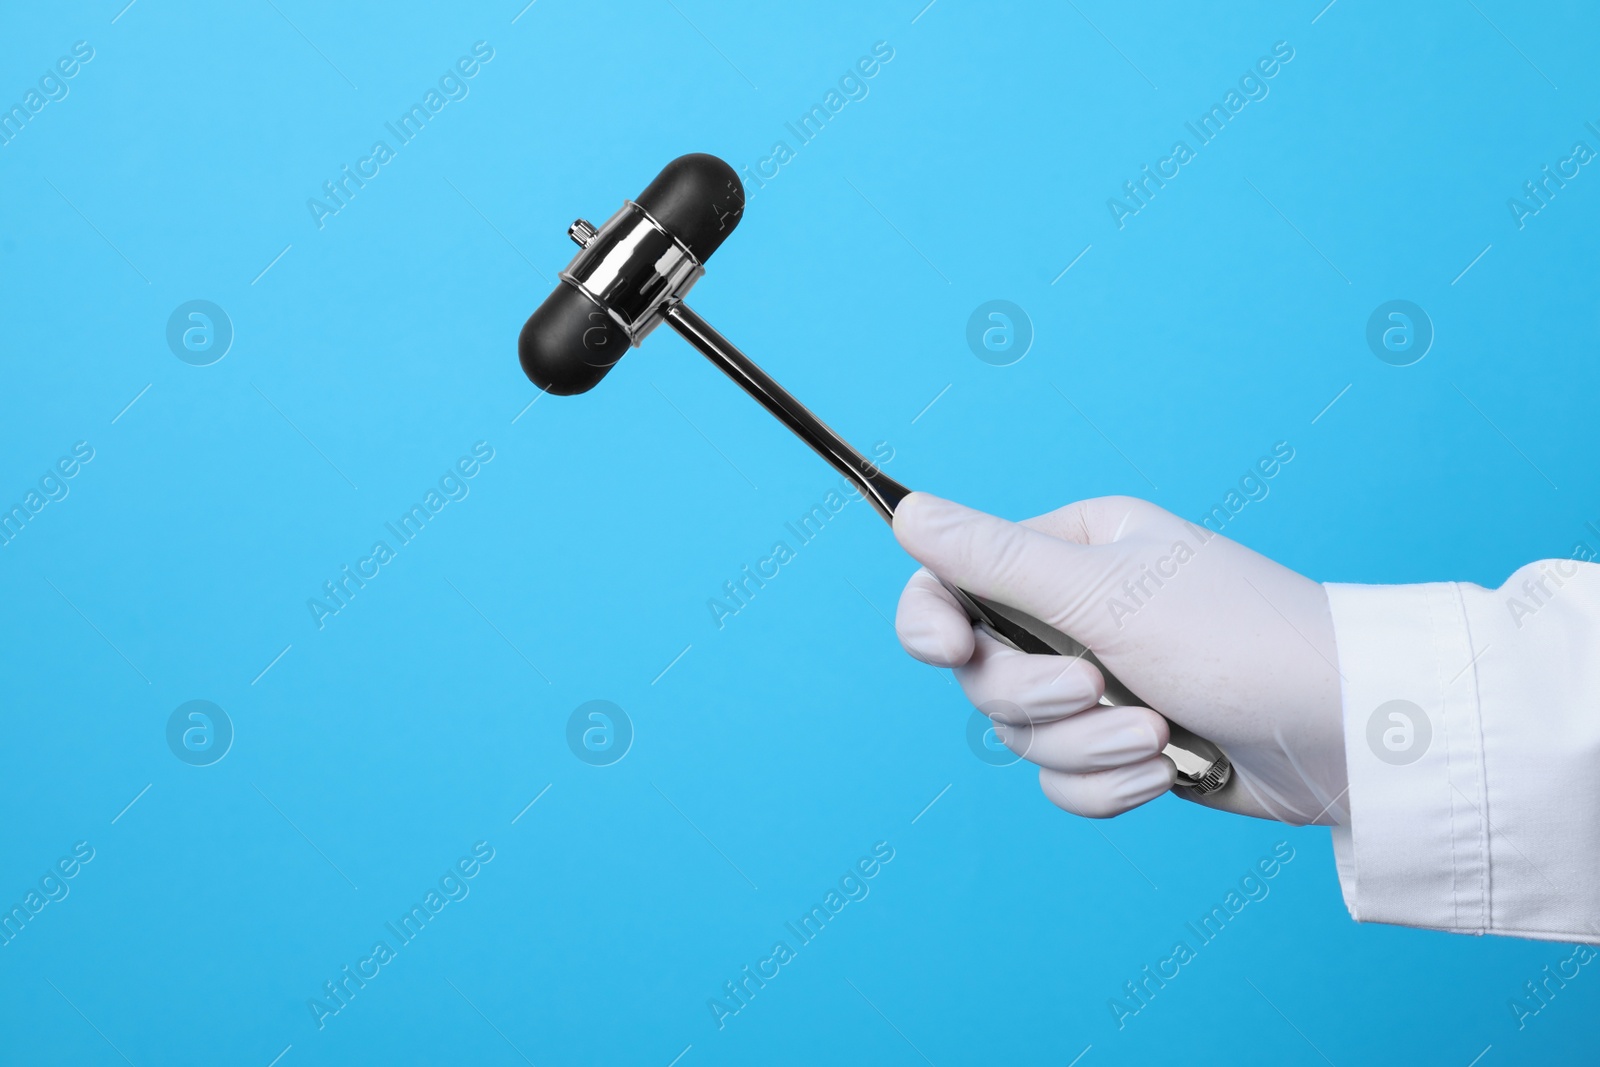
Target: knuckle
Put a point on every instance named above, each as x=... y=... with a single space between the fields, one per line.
x=1078 y=683
x=1100 y=806
x=1075 y=794
x=997 y=696
x=1111 y=518
x=928 y=626
x=1009 y=565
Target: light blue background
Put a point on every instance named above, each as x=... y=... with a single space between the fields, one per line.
x=377 y=750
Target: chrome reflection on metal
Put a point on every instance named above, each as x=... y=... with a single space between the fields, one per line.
x=1202 y=766
x=883 y=491
x=632 y=269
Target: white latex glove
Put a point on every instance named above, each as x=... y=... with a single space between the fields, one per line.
x=1221 y=640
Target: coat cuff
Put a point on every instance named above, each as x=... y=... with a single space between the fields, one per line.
x=1415 y=850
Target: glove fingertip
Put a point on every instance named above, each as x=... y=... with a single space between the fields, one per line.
x=931 y=625
x=910 y=519
x=941 y=641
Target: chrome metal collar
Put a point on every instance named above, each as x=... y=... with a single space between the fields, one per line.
x=632 y=268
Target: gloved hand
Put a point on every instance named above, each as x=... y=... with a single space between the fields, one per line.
x=1219 y=639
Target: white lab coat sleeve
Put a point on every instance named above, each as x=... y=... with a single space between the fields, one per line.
x=1472 y=736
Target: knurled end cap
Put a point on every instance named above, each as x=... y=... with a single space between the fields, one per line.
x=1219 y=775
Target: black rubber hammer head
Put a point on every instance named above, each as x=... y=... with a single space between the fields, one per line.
x=645 y=257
